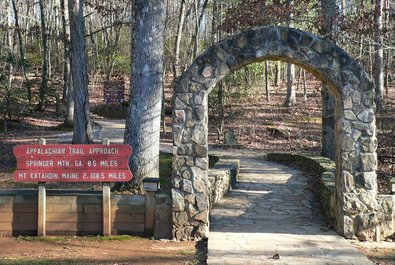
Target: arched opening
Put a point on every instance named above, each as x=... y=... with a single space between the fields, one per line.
x=355 y=137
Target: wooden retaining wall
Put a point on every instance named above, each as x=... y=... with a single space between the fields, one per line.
x=70 y=213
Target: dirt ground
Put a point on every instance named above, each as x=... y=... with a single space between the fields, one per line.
x=98 y=250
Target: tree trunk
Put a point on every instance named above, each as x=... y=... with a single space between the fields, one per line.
x=82 y=122
x=143 y=120
x=221 y=110
x=277 y=74
x=10 y=78
x=21 y=52
x=44 y=76
x=328 y=148
x=67 y=86
x=304 y=86
x=267 y=90
x=176 y=64
x=291 y=93
x=379 y=65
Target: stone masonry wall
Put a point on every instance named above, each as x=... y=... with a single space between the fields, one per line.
x=357 y=209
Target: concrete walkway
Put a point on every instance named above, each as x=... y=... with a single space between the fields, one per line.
x=271 y=217
x=113 y=130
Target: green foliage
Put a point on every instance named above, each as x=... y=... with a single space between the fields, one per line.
x=165 y=169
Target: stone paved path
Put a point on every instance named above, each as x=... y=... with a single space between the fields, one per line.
x=271 y=211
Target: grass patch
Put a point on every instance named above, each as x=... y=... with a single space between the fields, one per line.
x=115 y=238
x=11 y=170
x=47 y=239
x=165 y=168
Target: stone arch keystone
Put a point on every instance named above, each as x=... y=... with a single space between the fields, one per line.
x=356 y=207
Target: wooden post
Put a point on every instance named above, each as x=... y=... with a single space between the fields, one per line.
x=41 y=231
x=150 y=204
x=106 y=203
x=106 y=210
x=151 y=186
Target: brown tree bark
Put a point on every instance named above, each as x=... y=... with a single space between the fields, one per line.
x=82 y=122
x=67 y=85
x=45 y=59
x=328 y=147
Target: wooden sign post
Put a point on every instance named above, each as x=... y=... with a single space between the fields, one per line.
x=73 y=163
x=42 y=202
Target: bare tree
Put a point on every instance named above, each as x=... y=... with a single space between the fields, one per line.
x=143 y=120
x=67 y=84
x=45 y=58
x=379 y=65
x=328 y=9
x=181 y=20
x=82 y=122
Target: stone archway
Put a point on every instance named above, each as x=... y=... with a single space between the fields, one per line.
x=356 y=186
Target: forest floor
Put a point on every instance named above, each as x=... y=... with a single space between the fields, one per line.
x=98 y=250
x=258 y=125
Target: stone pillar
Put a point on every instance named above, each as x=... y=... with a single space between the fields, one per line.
x=190 y=191
x=357 y=211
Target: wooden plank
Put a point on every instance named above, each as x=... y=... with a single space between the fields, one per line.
x=119 y=199
x=64 y=226
x=18 y=217
x=73 y=217
x=128 y=218
x=26 y=199
x=6 y=199
x=150 y=203
x=18 y=208
x=62 y=199
x=93 y=208
x=106 y=210
x=25 y=208
x=64 y=208
x=41 y=209
x=12 y=226
x=94 y=228
x=128 y=227
x=128 y=208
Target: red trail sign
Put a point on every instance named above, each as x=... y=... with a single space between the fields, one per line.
x=73 y=163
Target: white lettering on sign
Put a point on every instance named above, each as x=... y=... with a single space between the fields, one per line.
x=45 y=151
x=104 y=151
x=43 y=176
x=91 y=163
x=22 y=175
x=108 y=163
x=70 y=176
x=76 y=151
x=117 y=176
x=44 y=163
x=62 y=163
